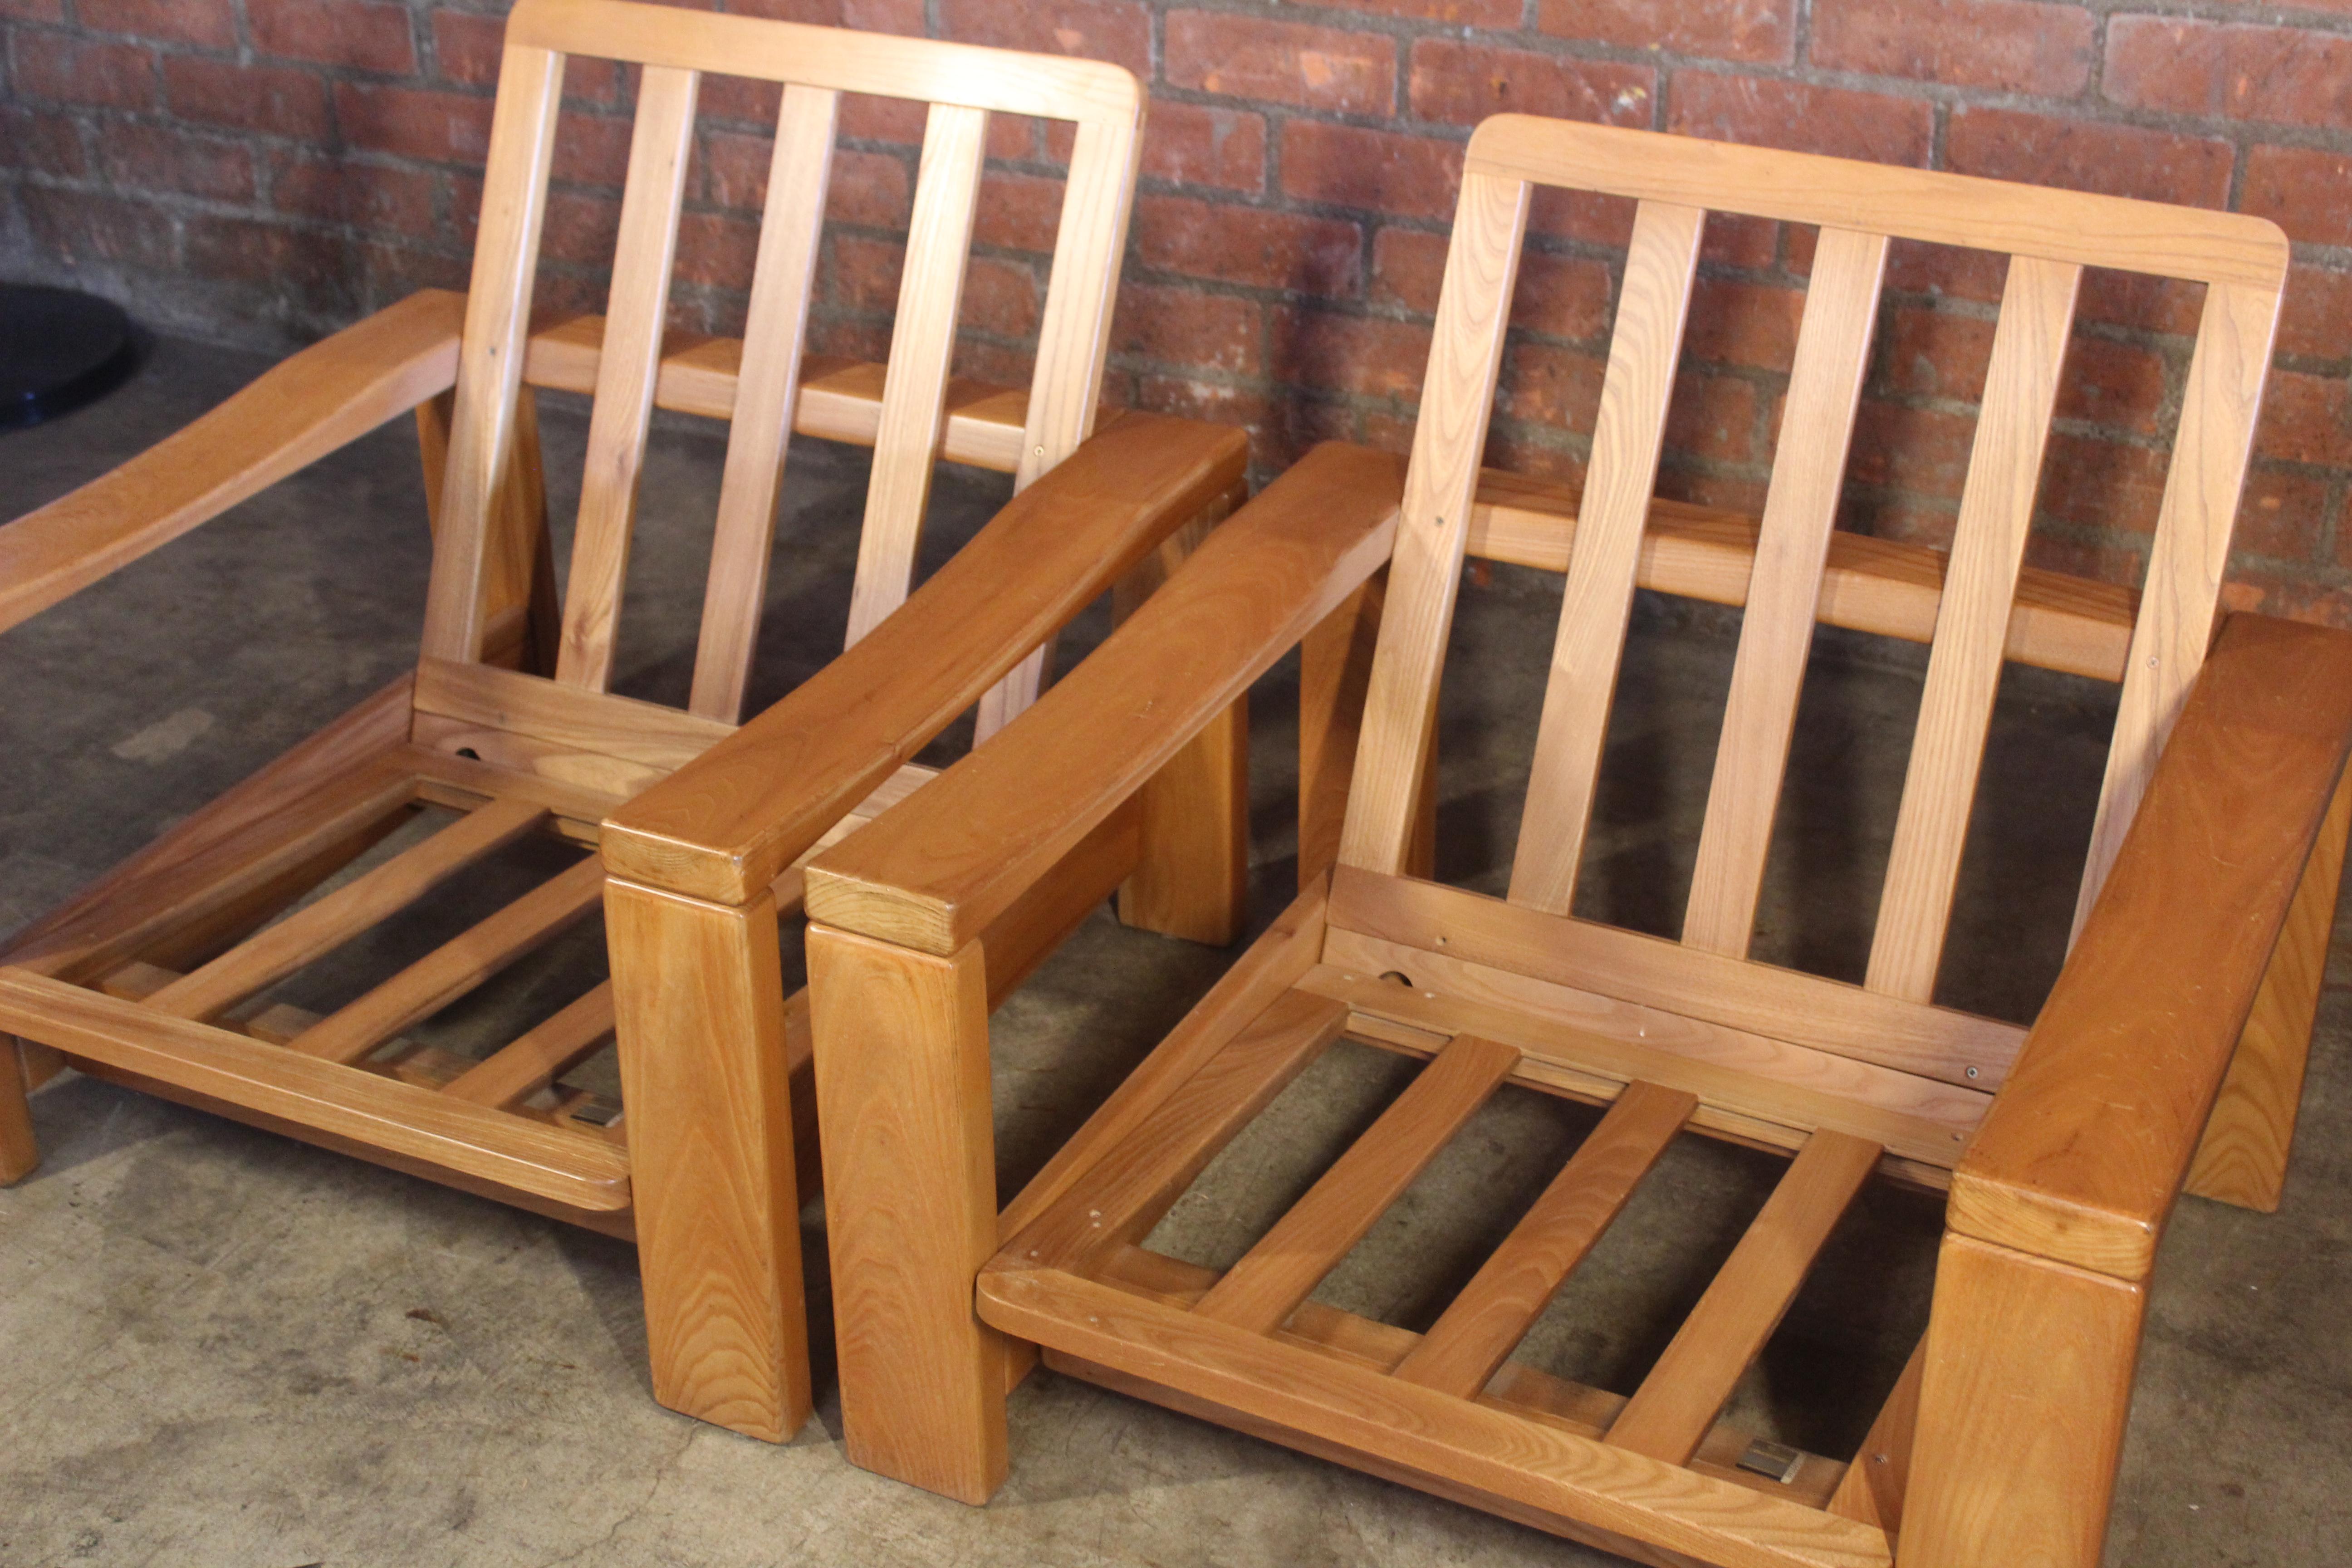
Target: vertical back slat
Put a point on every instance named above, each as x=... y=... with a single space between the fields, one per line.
x=922 y=342
x=625 y=369
x=1072 y=340
x=2192 y=548
x=1634 y=392
x=1784 y=589
x=490 y=363
x=1449 y=438
x=2029 y=347
x=774 y=331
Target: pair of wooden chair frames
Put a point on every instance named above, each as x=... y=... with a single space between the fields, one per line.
x=2168 y=1058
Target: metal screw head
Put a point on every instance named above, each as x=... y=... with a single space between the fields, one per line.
x=1972 y=1072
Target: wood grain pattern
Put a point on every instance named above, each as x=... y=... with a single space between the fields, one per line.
x=20 y=1152
x=922 y=339
x=2087 y=1143
x=1307 y=1243
x=700 y=1020
x=2022 y=1403
x=1876 y=1483
x=1678 y=1400
x=1972 y=628
x=911 y=1208
x=1493 y=1313
x=1643 y=347
x=1776 y=635
x=538 y=1056
x=783 y=275
x=2241 y=1158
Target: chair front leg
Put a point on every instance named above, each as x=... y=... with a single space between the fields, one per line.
x=698 y=1006
x=2021 y=1412
x=903 y=1109
x=18 y=1153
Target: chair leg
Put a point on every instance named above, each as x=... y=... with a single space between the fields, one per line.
x=2021 y=1412
x=19 y=1151
x=903 y=1108
x=698 y=1003
x=2242 y=1157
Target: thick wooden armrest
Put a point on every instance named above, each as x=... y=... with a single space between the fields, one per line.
x=725 y=825
x=2089 y=1142
x=932 y=872
x=297 y=410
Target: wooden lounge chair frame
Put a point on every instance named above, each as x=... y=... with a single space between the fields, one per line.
x=156 y=975
x=2169 y=1056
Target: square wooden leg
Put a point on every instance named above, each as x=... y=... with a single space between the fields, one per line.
x=698 y=1006
x=18 y=1153
x=903 y=1107
x=2022 y=1411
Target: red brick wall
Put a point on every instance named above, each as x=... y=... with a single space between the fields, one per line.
x=263 y=171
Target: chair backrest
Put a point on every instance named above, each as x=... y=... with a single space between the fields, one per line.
x=964 y=85
x=2050 y=236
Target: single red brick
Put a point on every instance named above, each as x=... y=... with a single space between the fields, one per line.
x=2282 y=515
x=592 y=149
x=2088 y=155
x=273 y=100
x=2302 y=418
x=1557 y=388
x=1756 y=30
x=1733 y=322
x=362 y=34
x=82 y=228
x=1185 y=327
x=1119 y=31
x=152 y=158
x=1249 y=245
x=716 y=250
x=1713 y=418
x=2316 y=319
x=1378 y=170
x=1462 y=83
x=1189 y=144
x=862 y=273
x=1019 y=212
x=2306 y=191
x=1762 y=112
x=1322 y=350
x=1923 y=450
x=416 y=122
x=371 y=195
x=2007 y=46
x=2120 y=386
x=1502 y=15
x=209 y=23
x=44 y=140
x=1000 y=297
x=1282 y=62
x=2184 y=66
x=871 y=188
x=1935 y=354
x=2094 y=483
x=73 y=70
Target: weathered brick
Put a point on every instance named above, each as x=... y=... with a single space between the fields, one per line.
x=1364 y=355
x=208 y=23
x=1019 y=212
x=1714 y=417
x=1249 y=245
x=2294 y=598
x=862 y=274
x=1923 y=450
x=466 y=48
x=416 y=122
x=1407 y=268
x=2139 y=299
x=592 y=149
x=82 y=228
x=2316 y=319
x=1378 y=170
x=2004 y=45
x=1462 y=83
x=2118 y=385
x=1731 y=239
x=73 y=70
x=998 y=363
x=1763 y=31
x=1593 y=219
x=580 y=229
x=1557 y=388
x=1182 y=327
x=33 y=10
x=2304 y=419
x=1763 y=112
x=273 y=100
x=1001 y=297
x=1733 y=322
x=1282 y=62
x=362 y=34
x=1218 y=404
x=2184 y=66
x=46 y=140
x=2306 y=191
x=368 y=196
x=1191 y=144
x=1935 y=354
x=2094 y=483
x=315 y=269
x=716 y=250
x=2089 y=155
x=2282 y=515
x=1119 y=31
x=872 y=188
x=154 y=158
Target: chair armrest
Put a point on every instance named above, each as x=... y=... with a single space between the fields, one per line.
x=2087 y=1142
x=932 y=872
x=297 y=410
x=727 y=824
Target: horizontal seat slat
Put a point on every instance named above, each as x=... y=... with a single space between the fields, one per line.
x=539 y=1056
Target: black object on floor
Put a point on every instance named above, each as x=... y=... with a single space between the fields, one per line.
x=59 y=351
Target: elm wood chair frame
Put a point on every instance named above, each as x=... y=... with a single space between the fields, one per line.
x=156 y=975
x=2167 y=1057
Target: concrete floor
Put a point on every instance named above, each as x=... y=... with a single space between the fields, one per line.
x=226 y=1348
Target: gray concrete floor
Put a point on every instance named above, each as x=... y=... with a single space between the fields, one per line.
x=224 y=1347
